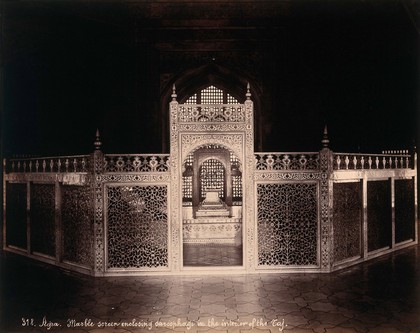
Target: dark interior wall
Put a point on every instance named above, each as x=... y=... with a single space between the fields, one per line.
x=70 y=67
x=63 y=75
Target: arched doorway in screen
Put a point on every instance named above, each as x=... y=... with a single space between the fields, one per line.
x=211 y=192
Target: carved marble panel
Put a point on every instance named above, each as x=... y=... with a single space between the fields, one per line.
x=404 y=210
x=137 y=226
x=77 y=224
x=379 y=214
x=287 y=224
x=347 y=220
x=43 y=218
x=16 y=215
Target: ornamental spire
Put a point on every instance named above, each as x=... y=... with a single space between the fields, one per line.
x=174 y=95
x=248 y=92
x=325 y=141
x=97 y=142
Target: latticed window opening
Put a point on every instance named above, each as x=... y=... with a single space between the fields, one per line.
x=212 y=95
x=187 y=179
x=212 y=177
x=237 y=187
x=188 y=175
x=231 y=100
x=192 y=100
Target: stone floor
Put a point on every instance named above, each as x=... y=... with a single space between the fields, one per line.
x=380 y=296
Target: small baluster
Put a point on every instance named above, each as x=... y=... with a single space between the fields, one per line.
x=402 y=162
x=270 y=162
x=347 y=161
x=24 y=166
x=262 y=160
x=262 y=164
x=168 y=163
x=390 y=162
x=136 y=163
x=144 y=164
x=338 y=160
x=355 y=162
x=370 y=162
x=153 y=163
x=83 y=164
x=362 y=162
x=67 y=164
x=303 y=161
x=59 y=165
x=278 y=162
x=377 y=162
x=52 y=165
x=396 y=162
x=36 y=166
x=162 y=163
x=120 y=163
x=286 y=162
x=13 y=166
x=18 y=166
x=44 y=165
x=128 y=163
x=407 y=162
x=74 y=165
x=30 y=166
x=384 y=162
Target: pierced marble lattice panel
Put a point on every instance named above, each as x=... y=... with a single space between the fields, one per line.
x=43 y=218
x=379 y=214
x=404 y=210
x=77 y=224
x=16 y=215
x=137 y=229
x=287 y=224
x=212 y=177
x=347 y=220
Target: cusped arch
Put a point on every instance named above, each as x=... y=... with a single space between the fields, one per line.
x=234 y=148
x=218 y=159
x=194 y=80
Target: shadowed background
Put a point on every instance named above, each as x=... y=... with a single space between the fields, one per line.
x=69 y=67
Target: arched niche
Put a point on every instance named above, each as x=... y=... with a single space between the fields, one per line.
x=194 y=80
x=194 y=186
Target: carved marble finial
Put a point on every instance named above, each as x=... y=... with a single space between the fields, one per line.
x=174 y=96
x=97 y=142
x=248 y=91
x=325 y=141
